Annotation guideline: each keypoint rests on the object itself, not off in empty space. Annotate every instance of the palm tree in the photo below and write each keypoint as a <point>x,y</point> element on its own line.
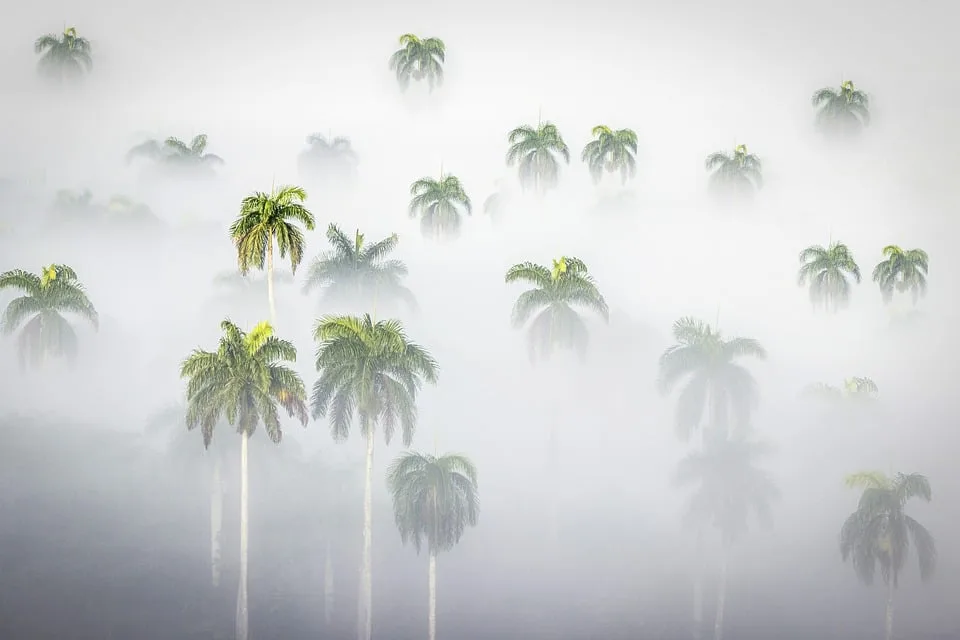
<point>47,296</point>
<point>855,389</point>
<point>827,271</point>
<point>63,57</point>
<point>715,378</point>
<point>902,271</point>
<point>266,218</point>
<point>729,488</point>
<point>441,205</point>
<point>843,111</point>
<point>122,211</point>
<point>553,299</point>
<point>245,382</point>
<point>369,372</point>
<point>354,271</point>
<point>434,500</point>
<point>418,59</point>
<point>879,532</point>
<point>611,151</point>
<point>176,152</point>
<point>739,173</point>
<point>536,152</point>
<point>331,157</point>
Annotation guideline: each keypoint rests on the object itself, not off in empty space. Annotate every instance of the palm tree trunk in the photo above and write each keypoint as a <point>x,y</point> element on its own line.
<point>889,626</point>
<point>216,520</point>
<point>270,297</point>
<point>432,619</point>
<point>365,601</point>
<point>243,614</point>
<point>721,597</point>
<point>328,602</point>
<point>697,631</point>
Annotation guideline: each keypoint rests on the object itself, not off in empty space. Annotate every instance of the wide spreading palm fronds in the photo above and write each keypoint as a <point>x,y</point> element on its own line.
<point>827,271</point>
<point>557,293</point>
<point>441,205</point>
<point>715,380</point>
<point>902,271</point>
<point>843,111</point>
<point>176,152</point>
<point>739,173</point>
<point>611,151</point>
<point>63,57</point>
<point>536,152</point>
<point>418,59</point>
<point>356,271</point>
<point>47,296</point>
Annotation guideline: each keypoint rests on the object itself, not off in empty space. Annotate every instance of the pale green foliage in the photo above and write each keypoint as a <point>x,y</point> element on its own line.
<point>854,389</point>
<point>827,271</point>
<point>419,59</point>
<point>611,151</point>
<point>739,173</point>
<point>843,111</point>
<point>434,498</point>
<point>266,218</point>
<point>47,296</point>
<point>63,57</point>
<point>902,271</point>
<point>535,151</point>
<point>441,205</point>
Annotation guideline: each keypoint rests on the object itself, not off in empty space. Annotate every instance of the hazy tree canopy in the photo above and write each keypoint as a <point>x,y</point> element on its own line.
<point>441,205</point>
<point>536,152</point>
<point>902,271</point>
<point>64,57</point>
<point>419,59</point>
<point>611,151</point>
<point>828,271</point>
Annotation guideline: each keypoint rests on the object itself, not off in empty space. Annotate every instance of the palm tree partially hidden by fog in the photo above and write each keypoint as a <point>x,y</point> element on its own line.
<point>245,382</point>
<point>879,532</point>
<point>902,271</point>
<point>828,271</point>
<point>64,57</point>
<point>739,173</point>
<point>419,59</point>
<point>435,499</point>
<point>536,152</point>
<point>174,153</point>
<point>728,488</point>
<point>440,205</point>
<point>266,219</point>
<point>369,373</point>
<point>611,151</point>
<point>44,331</point>
<point>331,159</point>
<point>354,271</point>
<point>843,112</point>
<point>855,389</point>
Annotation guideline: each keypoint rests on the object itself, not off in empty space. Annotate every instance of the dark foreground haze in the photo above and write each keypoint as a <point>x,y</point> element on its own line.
<point>105,508</point>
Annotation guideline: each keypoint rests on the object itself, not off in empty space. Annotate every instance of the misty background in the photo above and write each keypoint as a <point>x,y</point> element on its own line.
<point>104,530</point>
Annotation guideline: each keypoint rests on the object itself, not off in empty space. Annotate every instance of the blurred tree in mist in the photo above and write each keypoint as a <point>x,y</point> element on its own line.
<point>435,499</point>
<point>330,159</point>
<point>244,382</point>
<point>535,151</point>
<point>265,219</point>
<point>729,488</point>
<point>827,270</point>
<point>355,271</point>
<point>417,60</point>
<point>64,57</point>
<point>854,389</point>
<point>611,151</point>
<point>44,331</point>
<point>738,174</point>
<point>441,205</point>
<point>79,212</point>
<point>879,532</point>
<point>842,112</point>
<point>177,154</point>
<point>370,372</point>
<point>902,271</point>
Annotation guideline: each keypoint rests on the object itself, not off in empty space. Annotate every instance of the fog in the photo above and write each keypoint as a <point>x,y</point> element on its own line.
<point>105,520</point>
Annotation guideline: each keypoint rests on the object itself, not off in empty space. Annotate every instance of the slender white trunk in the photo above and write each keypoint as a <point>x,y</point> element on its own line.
<point>270,297</point>
<point>243,629</point>
<point>554,504</point>
<point>328,603</point>
<point>432,619</point>
<point>889,626</point>
<point>365,601</point>
<point>697,631</point>
<point>721,597</point>
<point>216,520</point>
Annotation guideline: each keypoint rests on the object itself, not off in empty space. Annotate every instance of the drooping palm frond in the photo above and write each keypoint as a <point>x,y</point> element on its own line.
<point>611,151</point>
<point>535,151</point>
<point>440,205</point>
<point>419,59</point>
<point>902,271</point>
<point>826,270</point>
<point>739,173</point>
<point>175,152</point>
<point>846,110</point>
<point>64,57</point>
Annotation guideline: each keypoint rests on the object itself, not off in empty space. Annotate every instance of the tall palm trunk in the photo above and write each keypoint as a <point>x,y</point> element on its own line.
<point>697,631</point>
<point>365,601</point>
<point>328,602</point>
<point>270,296</point>
<point>432,616</point>
<point>889,626</point>
<point>243,614</point>
<point>216,520</point>
<point>721,597</point>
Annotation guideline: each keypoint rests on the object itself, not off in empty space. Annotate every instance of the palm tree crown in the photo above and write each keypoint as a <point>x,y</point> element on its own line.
<point>715,378</point>
<point>245,381</point>
<point>611,151</point>
<point>268,217</point>
<point>418,59</point>
<point>854,388</point>
<point>740,171</point>
<point>354,270</point>
<point>553,299</point>
<point>47,296</point>
<point>827,270</point>
<point>64,56</point>
<point>333,154</point>
<point>902,271</point>
<point>175,151</point>
<point>535,151</point>
<point>441,205</point>
<point>847,109</point>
